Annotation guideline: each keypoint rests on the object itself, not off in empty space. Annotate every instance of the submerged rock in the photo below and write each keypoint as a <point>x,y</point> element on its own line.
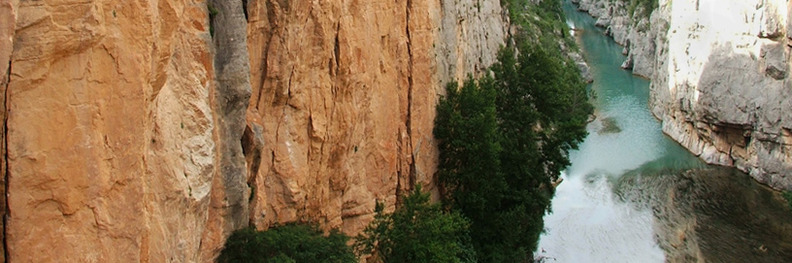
<point>609,125</point>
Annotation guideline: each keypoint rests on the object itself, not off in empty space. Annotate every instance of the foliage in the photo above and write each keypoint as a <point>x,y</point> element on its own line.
<point>466,125</point>
<point>541,95</point>
<point>788,197</point>
<point>644,8</point>
<point>502,140</point>
<point>287,243</point>
<point>212,14</point>
<point>540,22</point>
<point>417,231</point>
<point>212,10</point>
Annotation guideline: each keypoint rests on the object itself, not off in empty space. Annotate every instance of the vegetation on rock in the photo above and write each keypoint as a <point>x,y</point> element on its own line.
<point>418,231</point>
<point>539,23</point>
<point>644,8</point>
<point>212,14</point>
<point>287,243</point>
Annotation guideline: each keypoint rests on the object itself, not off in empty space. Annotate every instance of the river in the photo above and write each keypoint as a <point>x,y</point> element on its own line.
<point>632,194</point>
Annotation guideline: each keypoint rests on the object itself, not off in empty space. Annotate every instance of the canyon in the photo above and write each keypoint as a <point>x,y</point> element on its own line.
<point>147,131</point>
<point>719,71</point>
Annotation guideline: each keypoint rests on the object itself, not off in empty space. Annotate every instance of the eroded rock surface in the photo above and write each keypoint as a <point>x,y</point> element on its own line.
<point>7,21</point>
<point>344,100</point>
<point>147,131</point>
<point>720,81</point>
<point>113,139</point>
<point>689,219</point>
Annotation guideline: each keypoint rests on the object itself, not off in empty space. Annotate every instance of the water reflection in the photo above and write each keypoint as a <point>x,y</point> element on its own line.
<point>710,214</point>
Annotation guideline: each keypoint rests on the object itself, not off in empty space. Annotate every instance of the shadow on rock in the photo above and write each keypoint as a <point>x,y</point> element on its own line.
<point>713,214</point>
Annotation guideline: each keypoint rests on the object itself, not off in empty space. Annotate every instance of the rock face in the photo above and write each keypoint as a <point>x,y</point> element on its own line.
<point>633,30</point>
<point>344,100</point>
<point>7,20</point>
<point>114,150</point>
<point>720,81</point>
<point>689,222</point>
<point>146,131</point>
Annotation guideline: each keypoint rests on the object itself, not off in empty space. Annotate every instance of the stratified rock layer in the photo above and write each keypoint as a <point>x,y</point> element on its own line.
<point>720,81</point>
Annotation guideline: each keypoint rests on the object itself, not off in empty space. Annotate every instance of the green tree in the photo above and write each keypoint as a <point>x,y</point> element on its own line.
<point>542,112</point>
<point>417,231</point>
<point>288,243</point>
<point>503,139</point>
<point>466,125</point>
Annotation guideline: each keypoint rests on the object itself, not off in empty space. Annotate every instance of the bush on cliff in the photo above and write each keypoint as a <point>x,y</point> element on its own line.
<point>418,231</point>
<point>539,22</point>
<point>644,8</point>
<point>788,197</point>
<point>503,139</point>
<point>287,243</point>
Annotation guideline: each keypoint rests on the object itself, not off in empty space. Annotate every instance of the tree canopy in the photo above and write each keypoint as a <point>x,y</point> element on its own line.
<point>503,139</point>
<point>418,231</point>
<point>285,244</point>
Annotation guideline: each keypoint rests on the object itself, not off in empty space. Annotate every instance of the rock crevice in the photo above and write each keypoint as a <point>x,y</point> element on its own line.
<point>231,95</point>
<point>4,160</point>
<point>7,22</point>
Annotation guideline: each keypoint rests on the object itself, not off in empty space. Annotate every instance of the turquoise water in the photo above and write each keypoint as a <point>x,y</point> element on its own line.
<point>588,224</point>
<point>632,194</point>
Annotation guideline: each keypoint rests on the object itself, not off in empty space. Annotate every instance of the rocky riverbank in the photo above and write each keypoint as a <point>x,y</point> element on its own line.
<point>719,72</point>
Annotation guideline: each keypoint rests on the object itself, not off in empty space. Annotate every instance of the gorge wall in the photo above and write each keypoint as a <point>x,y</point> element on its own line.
<point>344,96</point>
<point>720,81</point>
<point>147,131</point>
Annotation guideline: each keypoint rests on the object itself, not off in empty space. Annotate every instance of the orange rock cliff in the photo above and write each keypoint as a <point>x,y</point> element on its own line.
<point>147,131</point>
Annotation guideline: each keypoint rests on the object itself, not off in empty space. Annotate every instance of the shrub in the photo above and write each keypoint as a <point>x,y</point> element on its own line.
<point>288,243</point>
<point>212,14</point>
<point>416,232</point>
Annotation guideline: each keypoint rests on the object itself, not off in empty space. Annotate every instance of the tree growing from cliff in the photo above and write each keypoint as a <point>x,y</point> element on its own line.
<point>288,243</point>
<point>503,140</point>
<point>418,231</point>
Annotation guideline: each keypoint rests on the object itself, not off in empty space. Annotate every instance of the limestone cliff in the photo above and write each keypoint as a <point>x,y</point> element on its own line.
<point>148,130</point>
<point>344,96</point>
<point>720,81</point>
<point>114,126</point>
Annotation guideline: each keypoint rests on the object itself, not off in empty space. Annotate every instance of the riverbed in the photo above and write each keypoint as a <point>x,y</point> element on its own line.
<point>632,194</point>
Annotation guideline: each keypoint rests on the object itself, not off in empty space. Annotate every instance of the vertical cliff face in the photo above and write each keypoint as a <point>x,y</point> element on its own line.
<point>149,130</point>
<point>720,81</point>
<point>229,203</point>
<point>116,118</point>
<point>7,19</point>
<point>722,86</point>
<point>637,31</point>
<point>344,96</point>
